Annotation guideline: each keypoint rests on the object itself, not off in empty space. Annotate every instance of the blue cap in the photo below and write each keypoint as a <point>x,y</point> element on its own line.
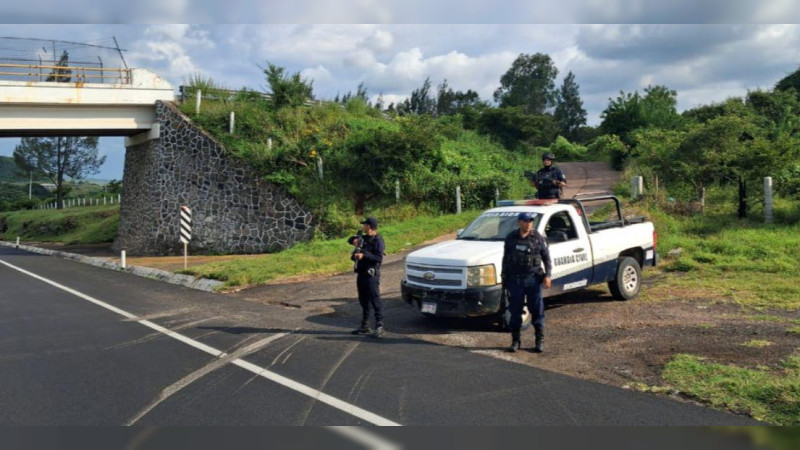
<point>526,216</point>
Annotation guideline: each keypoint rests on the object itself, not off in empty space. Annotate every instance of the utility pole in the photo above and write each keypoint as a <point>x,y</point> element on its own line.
<point>30,185</point>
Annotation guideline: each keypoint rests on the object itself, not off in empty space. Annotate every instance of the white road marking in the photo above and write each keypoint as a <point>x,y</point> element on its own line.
<point>367,437</point>
<point>176,387</point>
<point>317,395</point>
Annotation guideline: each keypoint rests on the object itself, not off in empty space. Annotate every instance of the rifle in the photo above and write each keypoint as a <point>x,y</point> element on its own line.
<point>358,247</point>
<point>534,177</point>
<point>543,183</point>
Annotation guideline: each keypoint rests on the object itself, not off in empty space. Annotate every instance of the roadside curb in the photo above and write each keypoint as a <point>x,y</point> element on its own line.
<point>202,284</point>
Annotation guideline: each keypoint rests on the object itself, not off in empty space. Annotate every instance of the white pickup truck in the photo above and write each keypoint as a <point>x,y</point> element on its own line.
<point>461,278</point>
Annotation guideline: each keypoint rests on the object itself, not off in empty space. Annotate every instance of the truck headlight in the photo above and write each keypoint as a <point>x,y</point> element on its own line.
<point>481,276</point>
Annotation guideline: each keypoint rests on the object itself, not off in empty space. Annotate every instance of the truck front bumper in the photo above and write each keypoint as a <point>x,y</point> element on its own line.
<point>471,302</point>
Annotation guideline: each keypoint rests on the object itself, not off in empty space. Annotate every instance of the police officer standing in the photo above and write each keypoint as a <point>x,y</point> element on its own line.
<point>549,179</point>
<point>368,257</point>
<point>524,252</point>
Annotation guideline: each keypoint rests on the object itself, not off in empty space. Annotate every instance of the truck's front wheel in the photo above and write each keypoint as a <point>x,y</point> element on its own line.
<point>628,281</point>
<point>505,315</point>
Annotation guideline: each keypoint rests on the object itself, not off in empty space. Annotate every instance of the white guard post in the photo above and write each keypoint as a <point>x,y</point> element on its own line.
<point>186,232</point>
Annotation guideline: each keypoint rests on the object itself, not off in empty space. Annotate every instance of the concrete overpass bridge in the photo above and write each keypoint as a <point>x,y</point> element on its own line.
<point>169,161</point>
<point>111,102</point>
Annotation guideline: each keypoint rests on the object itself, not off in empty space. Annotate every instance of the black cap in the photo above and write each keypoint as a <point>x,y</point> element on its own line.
<point>549,156</point>
<point>372,222</point>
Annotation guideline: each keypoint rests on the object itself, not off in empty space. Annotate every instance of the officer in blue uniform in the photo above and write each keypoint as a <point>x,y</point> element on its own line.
<point>549,179</point>
<point>368,256</point>
<point>524,252</point>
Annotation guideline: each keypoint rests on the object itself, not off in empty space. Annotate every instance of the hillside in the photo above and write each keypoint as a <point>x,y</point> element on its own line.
<point>9,172</point>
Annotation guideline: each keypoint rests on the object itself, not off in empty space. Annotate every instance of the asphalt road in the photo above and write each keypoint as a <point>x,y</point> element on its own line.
<point>81,345</point>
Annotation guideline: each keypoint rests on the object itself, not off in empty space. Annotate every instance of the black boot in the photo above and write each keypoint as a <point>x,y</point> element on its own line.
<point>363,329</point>
<point>539,345</point>
<point>515,343</point>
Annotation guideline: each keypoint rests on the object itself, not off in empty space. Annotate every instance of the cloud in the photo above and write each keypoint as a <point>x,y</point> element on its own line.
<point>169,47</point>
<point>408,69</point>
<point>379,40</point>
<point>687,11</point>
<point>657,43</point>
<point>404,12</point>
<point>317,74</point>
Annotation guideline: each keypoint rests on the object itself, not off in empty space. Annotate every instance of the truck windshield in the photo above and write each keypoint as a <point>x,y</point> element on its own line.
<point>493,226</point>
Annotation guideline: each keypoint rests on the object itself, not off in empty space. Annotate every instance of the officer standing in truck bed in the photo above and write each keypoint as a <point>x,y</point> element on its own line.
<point>549,179</point>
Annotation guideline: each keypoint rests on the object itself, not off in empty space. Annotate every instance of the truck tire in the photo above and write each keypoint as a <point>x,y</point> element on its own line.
<point>504,316</point>
<point>628,281</point>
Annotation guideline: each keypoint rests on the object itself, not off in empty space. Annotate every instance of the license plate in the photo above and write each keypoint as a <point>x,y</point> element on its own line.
<point>429,308</point>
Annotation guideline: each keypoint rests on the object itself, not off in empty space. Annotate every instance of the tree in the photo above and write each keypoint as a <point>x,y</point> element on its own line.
<point>631,111</point>
<point>658,108</point>
<point>790,82</point>
<point>529,83</point>
<point>569,112</point>
<point>114,187</point>
<point>371,156</point>
<point>622,115</point>
<point>420,102</point>
<point>287,89</point>
<point>450,102</point>
<point>361,94</point>
<point>512,127</point>
<point>57,158</point>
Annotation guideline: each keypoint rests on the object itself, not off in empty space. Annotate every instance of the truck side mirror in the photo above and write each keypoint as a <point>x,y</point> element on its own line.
<point>459,231</point>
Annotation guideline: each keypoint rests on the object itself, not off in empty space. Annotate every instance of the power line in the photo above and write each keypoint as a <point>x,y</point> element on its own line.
<point>65,42</point>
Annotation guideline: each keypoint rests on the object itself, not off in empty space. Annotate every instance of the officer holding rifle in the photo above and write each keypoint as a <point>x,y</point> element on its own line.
<point>367,257</point>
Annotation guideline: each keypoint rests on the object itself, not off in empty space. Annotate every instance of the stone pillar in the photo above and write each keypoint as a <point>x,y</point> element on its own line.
<point>234,211</point>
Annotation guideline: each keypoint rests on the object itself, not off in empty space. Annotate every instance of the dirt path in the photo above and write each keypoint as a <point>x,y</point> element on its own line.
<point>585,177</point>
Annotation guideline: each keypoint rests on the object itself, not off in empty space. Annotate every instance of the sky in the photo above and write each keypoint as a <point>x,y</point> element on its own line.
<point>704,63</point>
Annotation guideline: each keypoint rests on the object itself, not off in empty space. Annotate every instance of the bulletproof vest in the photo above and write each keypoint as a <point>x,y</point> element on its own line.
<point>526,255</point>
<point>370,246</point>
<point>547,178</point>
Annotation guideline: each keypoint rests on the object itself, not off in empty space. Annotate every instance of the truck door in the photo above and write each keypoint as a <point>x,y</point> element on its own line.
<point>570,252</point>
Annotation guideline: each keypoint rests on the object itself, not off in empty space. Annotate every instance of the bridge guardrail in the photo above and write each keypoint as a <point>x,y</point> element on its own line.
<point>65,74</point>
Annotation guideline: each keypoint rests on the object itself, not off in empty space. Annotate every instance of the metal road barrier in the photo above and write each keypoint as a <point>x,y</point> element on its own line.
<point>67,74</point>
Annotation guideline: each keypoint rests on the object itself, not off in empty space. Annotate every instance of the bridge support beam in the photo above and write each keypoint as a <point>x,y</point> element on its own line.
<point>150,135</point>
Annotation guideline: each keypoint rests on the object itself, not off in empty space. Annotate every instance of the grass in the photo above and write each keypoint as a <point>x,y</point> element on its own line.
<point>766,318</point>
<point>323,257</point>
<point>771,395</point>
<point>727,259</point>
<point>757,343</point>
<point>80,225</point>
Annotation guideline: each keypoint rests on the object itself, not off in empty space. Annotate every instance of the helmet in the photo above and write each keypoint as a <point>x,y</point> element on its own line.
<point>549,156</point>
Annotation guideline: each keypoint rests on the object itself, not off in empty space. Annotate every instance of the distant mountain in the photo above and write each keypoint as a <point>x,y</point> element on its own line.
<point>9,172</point>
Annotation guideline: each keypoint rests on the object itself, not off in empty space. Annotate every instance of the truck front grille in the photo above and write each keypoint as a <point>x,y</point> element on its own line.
<point>434,269</point>
<point>420,280</point>
<point>433,276</point>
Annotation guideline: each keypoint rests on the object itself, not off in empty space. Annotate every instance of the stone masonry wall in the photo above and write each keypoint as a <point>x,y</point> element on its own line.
<point>233,211</point>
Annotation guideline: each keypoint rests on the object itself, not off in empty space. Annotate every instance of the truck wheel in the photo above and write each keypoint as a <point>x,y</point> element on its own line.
<point>505,316</point>
<point>628,281</point>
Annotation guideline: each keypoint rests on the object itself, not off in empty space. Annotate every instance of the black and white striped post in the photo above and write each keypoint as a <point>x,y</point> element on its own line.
<point>186,232</point>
